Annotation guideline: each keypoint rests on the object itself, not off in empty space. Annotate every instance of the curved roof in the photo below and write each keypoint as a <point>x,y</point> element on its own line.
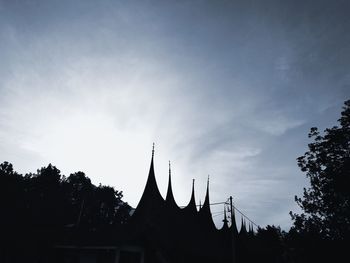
<point>191,208</point>
<point>170,200</point>
<point>151,199</point>
<point>205,213</point>
<point>243,230</point>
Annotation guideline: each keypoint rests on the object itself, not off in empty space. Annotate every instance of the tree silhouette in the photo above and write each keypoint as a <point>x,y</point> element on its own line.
<point>42,208</point>
<point>48,201</point>
<point>11,195</point>
<point>269,244</point>
<point>43,197</point>
<point>326,203</point>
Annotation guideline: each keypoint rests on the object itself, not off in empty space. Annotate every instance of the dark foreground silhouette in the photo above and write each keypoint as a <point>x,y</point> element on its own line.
<point>47,217</point>
<point>41,209</point>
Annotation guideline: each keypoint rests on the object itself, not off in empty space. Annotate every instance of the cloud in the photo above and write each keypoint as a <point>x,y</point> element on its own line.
<point>223,89</point>
<point>277,124</point>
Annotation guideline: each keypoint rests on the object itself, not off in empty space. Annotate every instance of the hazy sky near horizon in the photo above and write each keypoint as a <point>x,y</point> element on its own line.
<point>225,88</point>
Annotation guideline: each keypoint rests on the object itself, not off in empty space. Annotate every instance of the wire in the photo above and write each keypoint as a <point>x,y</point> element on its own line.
<point>245,216</point>
<point>218,203</point>
<point>242,214</point>
<point>218,214</point>
<point>227,202</point>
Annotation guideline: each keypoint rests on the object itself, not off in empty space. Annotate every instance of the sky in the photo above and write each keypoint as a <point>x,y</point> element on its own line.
<point>227,89</point>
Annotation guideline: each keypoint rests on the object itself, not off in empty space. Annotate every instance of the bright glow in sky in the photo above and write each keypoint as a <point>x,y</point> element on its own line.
<point>226,88</point>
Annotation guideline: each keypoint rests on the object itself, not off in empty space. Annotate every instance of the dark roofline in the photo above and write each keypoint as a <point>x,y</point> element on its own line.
<point>170,200</point>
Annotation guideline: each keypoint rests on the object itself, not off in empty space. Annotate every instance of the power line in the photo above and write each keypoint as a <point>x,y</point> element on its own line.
<point>234,207</point>
<point>218,203</point>
<point>244,215</point>
<point>218,214</point>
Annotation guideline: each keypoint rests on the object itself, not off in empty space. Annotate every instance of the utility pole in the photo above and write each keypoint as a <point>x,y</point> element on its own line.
<point>231,207</point>
<point>233,238</point>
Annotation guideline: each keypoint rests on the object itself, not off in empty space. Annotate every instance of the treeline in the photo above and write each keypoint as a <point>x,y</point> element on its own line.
<point>271,244</point>
<point>47,202</point>
<point>321,233</point>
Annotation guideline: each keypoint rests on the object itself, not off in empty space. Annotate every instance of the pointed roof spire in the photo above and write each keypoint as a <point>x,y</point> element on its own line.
<point>169,196</point>
<point>192,204</point>
<point>205,213</point>
<point>206,204</point>
<point>243,227</point>
<point>151,198</point>
<point>192,193</point>
<point>193,199</point>
<point>251,228</point>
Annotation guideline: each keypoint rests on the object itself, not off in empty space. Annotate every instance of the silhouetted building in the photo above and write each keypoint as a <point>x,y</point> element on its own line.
<point>168,233</point>
<point>159,231</point>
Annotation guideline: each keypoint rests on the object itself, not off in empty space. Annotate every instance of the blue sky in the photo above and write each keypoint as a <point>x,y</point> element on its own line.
<point>225,88</point>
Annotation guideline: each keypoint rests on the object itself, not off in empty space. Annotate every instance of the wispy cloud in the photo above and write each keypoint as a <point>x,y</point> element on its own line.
<point>223,89</point>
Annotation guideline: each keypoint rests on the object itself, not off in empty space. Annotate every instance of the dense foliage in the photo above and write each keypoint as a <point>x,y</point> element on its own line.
<point>48,199</point>
<point>326,203</point>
